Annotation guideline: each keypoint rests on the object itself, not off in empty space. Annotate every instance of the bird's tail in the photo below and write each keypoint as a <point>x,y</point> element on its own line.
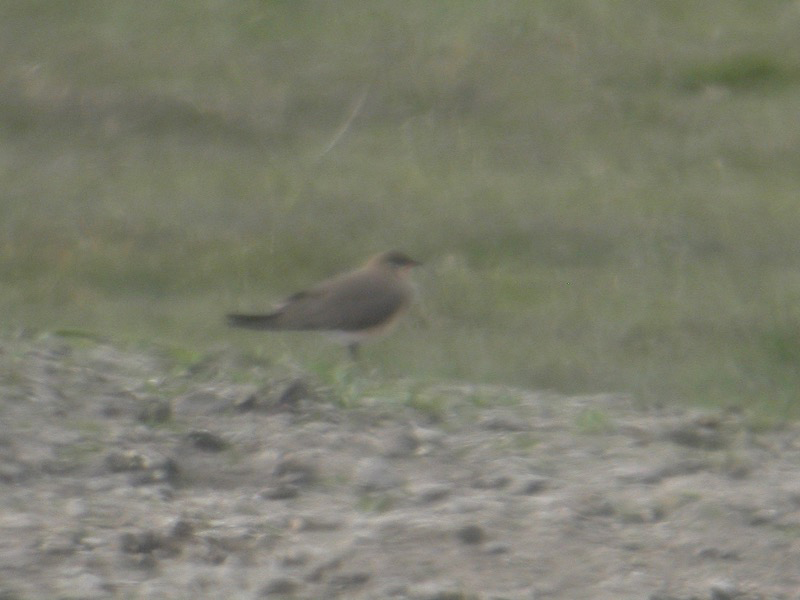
<point>268,321</point>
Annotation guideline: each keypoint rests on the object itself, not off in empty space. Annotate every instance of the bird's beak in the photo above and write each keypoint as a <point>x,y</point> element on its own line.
<point>405,270</point>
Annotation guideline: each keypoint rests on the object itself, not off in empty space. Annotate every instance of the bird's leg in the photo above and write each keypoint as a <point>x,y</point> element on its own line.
<point>352,347</point>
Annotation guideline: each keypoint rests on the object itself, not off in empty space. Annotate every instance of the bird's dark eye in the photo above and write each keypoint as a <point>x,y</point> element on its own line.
<point>396,260</point>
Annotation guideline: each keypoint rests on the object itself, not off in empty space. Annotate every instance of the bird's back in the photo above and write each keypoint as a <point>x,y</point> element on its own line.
<point>360,300</point>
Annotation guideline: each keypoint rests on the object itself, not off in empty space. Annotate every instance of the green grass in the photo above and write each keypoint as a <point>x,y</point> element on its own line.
<point>593,421</point>
<point>604,193</point>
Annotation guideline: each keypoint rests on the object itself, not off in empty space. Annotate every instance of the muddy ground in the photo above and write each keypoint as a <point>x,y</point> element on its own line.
<point>135,475</point>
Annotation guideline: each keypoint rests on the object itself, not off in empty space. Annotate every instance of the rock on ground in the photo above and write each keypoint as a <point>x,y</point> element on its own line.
<point>126,475</point>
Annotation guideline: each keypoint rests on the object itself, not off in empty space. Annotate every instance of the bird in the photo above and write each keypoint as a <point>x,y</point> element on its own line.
<point>354,306</point>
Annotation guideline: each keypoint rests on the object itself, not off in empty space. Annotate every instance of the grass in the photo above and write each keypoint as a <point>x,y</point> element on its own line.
<point>604,194</point>
<point>593,421</point>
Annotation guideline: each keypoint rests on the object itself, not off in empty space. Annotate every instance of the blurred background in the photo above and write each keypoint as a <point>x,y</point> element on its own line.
<point>604,193</point>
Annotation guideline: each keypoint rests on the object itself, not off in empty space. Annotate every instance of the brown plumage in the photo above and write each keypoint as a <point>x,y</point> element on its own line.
<point>355,305</point>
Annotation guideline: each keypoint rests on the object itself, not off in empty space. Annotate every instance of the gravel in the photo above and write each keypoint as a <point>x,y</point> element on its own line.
<point>123,475</point>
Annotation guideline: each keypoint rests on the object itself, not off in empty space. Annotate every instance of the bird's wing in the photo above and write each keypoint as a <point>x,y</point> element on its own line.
<point>353,302</point>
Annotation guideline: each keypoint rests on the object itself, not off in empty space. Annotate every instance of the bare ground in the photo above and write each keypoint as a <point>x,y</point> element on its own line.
<point>129,475</point>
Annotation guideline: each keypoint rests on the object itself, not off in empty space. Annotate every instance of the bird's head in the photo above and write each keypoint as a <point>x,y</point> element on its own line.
<point>395,261</point>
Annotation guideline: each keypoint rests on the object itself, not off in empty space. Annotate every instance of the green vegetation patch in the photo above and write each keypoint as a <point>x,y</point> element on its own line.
<point>588,222</point>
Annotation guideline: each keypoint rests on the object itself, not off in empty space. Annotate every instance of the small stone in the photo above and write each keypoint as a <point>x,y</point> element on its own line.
<point>246,403</point>
<point>182,529</point>
<point>291,396</point>
<point>376,474</point>
<point>433,493</point>
<point>165,472</point>
<point>12,473</point>
<point>282,491</point>
<point>76,507</point>
<point>594,504</point>
<point>294,470</point>
<point>7,593</point>
<point>87,586</point>
<point>493,482</point>
<point>400,445</point>
<point>325,565</point>
<point>311,524</point>
<point>471,534</point>
<point>205,440</point>
<point>130,460</point>
<point>498,548</point>
<point>146,562</point>
<point>274,398</point>
<point>534,485</point>
<point>57,545</point>
<point>427,436</point>
<point>141,543</point>
<point>280,586</point>
<point>657,474</point>
<point>715,553</point>
<point>155,412</point>
<point>215,555</point>
<point>724,589</point>
<point>762,516</point>
<point>341,581</point>
<point>391,589</point>
<point>501,423</point>
<point>705,432</point>
<point>200,402</point>
<point>295,558</point>
<point>439,591</point>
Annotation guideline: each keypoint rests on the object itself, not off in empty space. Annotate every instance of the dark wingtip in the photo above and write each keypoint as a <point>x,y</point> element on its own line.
<point>250,321</point>
<point>399,259</point>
